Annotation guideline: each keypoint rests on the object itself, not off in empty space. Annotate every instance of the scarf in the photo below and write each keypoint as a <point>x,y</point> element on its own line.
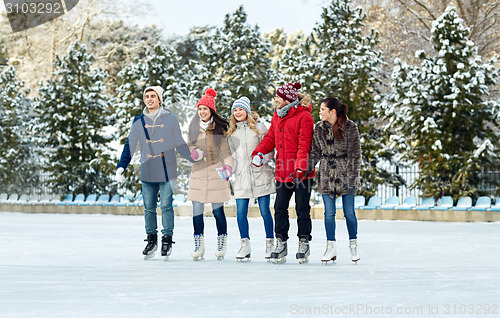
<point>284,110</point>
<point>205,125</point>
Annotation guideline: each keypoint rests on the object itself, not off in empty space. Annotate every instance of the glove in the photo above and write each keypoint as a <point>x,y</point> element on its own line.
<point>225,172</point>
<point>298,175</point>
<point>258,160</point>
<point>197,154</point>
<point>119,175</point>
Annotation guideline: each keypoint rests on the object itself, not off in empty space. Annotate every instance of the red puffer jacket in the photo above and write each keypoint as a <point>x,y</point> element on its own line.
<point>291,136</point>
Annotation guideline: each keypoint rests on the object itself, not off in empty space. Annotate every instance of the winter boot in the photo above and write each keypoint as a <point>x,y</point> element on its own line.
<point>303,251</point>
<point>199,247</point>
<point>221,246</point>
<point>151,246</point>
<point>244,252</point>
<point>278,256</point>
<point>269,248</point>
<point>353,247</point>
<point>166,246</point>
<point>330,252</point>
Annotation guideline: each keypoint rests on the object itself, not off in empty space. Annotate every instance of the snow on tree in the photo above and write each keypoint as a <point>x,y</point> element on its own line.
<point>441,114</point>
<point>73,112</point>
<point>17,163</point>
<point>238,64</point>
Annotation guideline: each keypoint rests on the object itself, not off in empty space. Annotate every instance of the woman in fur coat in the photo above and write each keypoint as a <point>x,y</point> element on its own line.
<point>336,146</point>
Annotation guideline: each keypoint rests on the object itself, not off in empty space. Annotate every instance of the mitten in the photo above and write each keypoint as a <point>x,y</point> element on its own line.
<point>258,160</point>
<point>197,154</point>
<point>225,172</point>
<point>119,175</point>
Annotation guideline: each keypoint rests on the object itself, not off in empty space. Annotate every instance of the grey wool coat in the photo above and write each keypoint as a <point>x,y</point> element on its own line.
<point>339,160</point>
<point>250,181</point>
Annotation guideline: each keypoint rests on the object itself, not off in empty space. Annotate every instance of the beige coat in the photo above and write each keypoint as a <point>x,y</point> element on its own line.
<point>205,185</point>
<point>250,181</point>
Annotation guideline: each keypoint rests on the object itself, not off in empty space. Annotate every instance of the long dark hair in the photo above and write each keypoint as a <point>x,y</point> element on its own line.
<point>221,126</point>
<point>341,109</point>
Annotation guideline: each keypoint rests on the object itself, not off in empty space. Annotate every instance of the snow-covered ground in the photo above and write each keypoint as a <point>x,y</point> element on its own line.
<point>91,266</point>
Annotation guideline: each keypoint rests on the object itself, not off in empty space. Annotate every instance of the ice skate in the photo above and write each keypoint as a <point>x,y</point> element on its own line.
<point>303,252</point>
<point>330,252</point>
<point>244,252</point>
<point>278,256</point>
<point>199,247</point>
<point>221,246</point>
<point>166,246</point>
<point>151,246</point>
<point>353,247</point>
<point>269,248</point>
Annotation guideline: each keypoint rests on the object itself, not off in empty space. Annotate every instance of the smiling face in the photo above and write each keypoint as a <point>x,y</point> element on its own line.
<point>204,113</point>
<point>152,101</point>
<point>240,114</point>
<point>281,102</point>
<point>327,115</point>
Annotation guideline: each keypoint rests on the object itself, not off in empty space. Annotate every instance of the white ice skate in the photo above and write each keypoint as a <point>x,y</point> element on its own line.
<point>330,252</point>
<point>278,256</point>
<point>353,247</point>
<point>221,246</point>
<point>199,247</point>
<point>244,252</point>
<point>269,248</point>
<point>303,252</point>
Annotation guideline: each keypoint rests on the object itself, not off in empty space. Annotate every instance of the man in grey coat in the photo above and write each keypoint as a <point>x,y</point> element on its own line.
<point>158,134</point>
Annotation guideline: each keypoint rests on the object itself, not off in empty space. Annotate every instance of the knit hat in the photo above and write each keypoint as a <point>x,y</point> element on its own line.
<point>242,102</point>
<point>208,99</point>
<point>157,89</point>
<point>288,91</point>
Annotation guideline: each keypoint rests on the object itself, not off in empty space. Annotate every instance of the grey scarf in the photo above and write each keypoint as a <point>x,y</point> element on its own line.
<point>284,110</point>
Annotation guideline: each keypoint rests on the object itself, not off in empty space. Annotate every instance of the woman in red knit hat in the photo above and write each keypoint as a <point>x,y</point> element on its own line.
<point>210,173</point>
<point>290,134</point>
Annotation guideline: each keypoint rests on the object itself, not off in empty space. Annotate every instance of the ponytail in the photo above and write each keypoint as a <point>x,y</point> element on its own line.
<point>341,110</point>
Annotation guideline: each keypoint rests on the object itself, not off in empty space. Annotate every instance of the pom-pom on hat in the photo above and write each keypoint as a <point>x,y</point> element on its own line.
<point>158,90</point>
<point>289,91</point>
<point>208,99</point>
<point>242,102</point>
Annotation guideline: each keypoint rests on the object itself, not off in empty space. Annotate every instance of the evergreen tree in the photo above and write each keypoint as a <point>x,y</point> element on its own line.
<point>441,113</point>
<point>17,163</point>
<point>73,113</point>
<point>237,62</point>
<point>348,67</point>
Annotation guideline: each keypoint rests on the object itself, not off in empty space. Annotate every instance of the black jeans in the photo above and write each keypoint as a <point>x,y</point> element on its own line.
<point>284,192</point>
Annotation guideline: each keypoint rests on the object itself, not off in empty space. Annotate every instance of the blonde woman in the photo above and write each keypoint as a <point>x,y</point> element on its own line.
<point>250,182</point>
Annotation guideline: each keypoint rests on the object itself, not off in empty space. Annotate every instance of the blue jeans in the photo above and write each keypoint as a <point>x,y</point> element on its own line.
<point>349,214</point>
<point>150,197</point>
<point>217,210</point>
<point>265,212</point>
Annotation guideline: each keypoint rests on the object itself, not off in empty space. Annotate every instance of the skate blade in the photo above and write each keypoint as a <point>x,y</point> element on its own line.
<point>165,258</point>
<point>355,261</point>
<point>149,256</point>
<point>220,258</point>
<point>303,260</point>
<point>243,259</point>
<point>196,259</point>
<point>280,260</point>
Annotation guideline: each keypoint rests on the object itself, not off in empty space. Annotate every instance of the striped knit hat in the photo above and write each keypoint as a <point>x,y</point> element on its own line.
<point>242,102</point>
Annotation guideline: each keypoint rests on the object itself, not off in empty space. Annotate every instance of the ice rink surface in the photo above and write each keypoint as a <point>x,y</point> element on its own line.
<point>61,265</point>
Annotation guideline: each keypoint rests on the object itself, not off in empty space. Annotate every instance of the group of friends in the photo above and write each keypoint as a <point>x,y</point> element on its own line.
<point>245,147</point>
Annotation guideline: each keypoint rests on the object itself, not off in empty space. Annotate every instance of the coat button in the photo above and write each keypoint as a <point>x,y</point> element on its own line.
<point>281,146</point>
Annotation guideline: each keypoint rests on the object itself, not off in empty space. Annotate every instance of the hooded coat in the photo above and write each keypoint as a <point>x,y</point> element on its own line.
<point>339,160</point>
<point>205,184</point>
<point>291,136</point>
<point>250,181</point>
<point>158,162</point>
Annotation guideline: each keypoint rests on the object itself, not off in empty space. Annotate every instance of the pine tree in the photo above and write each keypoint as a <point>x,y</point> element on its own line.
<point>73,111</point>
<point>442,115</point>
<point>18,166</point>
<point>237,62</point>
<point>348,67</point>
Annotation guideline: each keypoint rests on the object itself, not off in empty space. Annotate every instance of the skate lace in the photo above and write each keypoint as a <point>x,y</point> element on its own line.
<point>303,246</point>
<point>197,243</point>
<point>279,246</point>
<point>221,239</point>
<point>353,249</point>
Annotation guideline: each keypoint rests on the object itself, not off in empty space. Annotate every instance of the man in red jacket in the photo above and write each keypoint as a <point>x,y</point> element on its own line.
<point>291,134</point>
